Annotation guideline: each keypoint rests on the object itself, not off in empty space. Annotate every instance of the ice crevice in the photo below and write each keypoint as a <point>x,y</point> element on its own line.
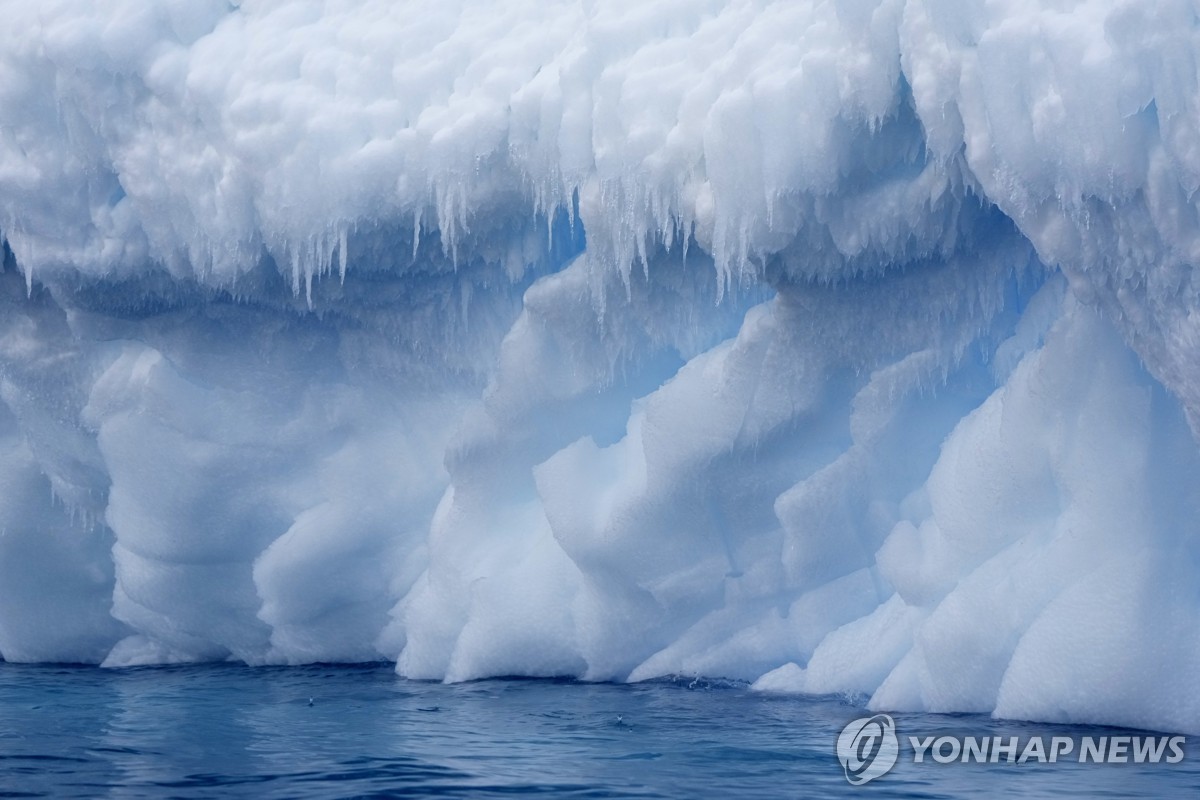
<point>830,346</point>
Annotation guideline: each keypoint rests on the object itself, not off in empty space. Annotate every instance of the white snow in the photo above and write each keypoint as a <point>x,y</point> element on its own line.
<point>837,346</point>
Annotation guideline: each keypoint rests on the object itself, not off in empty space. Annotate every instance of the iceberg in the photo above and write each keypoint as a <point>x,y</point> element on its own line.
<point>836,347</point>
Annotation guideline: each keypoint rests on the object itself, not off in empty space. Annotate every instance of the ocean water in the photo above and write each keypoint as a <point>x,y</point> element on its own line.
<point>332,731</point>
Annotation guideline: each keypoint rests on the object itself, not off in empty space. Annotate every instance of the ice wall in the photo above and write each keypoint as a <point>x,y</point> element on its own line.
<point>836,346</point>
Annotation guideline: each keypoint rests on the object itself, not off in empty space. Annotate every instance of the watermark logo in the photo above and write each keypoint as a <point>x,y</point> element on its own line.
<point>868,748</point>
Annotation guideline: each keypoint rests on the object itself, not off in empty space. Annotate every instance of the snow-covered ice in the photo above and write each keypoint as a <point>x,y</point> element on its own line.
<point>839,346</point>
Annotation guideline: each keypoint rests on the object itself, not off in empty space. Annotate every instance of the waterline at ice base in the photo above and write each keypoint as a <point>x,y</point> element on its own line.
<point>836,347</point>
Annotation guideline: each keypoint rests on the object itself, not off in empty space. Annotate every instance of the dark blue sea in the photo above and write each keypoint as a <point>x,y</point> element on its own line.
<point>328,731</point>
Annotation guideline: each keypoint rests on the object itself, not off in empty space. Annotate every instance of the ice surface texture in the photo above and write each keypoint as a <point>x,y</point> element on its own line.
<point>840,346</point>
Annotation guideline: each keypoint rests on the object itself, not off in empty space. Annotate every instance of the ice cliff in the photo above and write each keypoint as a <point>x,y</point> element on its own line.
<point>837,346</point>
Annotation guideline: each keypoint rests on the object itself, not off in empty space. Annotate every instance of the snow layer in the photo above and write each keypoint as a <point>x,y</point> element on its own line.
<point>837,346</point>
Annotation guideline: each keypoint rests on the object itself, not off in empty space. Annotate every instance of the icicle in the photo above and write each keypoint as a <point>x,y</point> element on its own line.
<point>416,236</point>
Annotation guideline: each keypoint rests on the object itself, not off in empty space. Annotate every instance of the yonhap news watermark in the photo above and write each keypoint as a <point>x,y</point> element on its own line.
<point>868,748</point>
